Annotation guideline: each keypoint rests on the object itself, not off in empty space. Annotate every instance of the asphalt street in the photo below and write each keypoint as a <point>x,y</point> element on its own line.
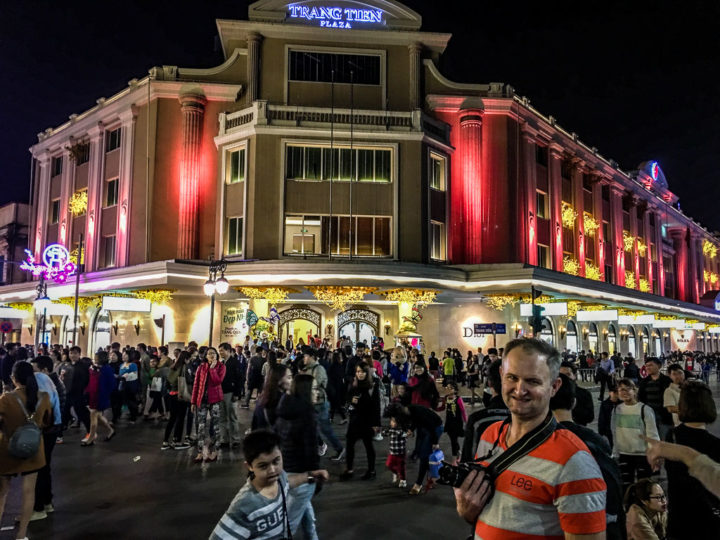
<point>128,488</point>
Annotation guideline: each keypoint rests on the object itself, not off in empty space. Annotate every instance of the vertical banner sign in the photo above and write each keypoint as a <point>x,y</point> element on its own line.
<point>233,327</point>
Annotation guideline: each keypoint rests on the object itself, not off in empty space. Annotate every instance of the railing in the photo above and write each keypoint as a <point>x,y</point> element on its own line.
<point>260,113</point>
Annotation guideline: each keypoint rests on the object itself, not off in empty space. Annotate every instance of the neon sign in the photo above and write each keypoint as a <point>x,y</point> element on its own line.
<point>56,264</point>
<point>336,17</point>
<point>654,170</point>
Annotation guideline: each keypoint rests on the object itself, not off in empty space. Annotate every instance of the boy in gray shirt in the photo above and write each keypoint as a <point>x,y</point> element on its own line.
<point>259,510</point>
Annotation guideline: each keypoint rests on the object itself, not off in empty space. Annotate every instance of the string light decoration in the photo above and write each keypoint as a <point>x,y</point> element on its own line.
<point>644,285</point>
<point>625,312</point>
<point>338,298</point>
<point>628,241</point>
<point>594,307</point>
<point>666,317</point>
<point>630,279</point>
<point>591,224</point>
<point>642,247</point>
<point>156,296</point>
<point>74,257</point>
<point>417,298</point>
<point>23,306</point>
<point>569,215</point>
<point>84,302</point>
<point>573,306</point>
<point>498,302</point>
<point>571,266</point>
<point>78,203</point>
<point>710,277</point>
<point>714,278</point>
<point>709,249</point>
<point>274,295</point>
<point>593,272</point>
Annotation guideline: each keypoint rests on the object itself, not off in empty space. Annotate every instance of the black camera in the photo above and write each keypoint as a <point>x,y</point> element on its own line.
<point>455,475</point>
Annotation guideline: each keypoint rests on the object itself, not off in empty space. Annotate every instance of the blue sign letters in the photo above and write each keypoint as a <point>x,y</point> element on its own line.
<point>336,17</point>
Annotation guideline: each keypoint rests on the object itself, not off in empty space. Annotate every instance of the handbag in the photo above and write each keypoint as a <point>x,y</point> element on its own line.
<point>156,385</point>
<point>25,441</point>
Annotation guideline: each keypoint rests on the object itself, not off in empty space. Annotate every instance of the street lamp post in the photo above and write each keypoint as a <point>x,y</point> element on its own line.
<point>213,285</point>
<point>41,304</point>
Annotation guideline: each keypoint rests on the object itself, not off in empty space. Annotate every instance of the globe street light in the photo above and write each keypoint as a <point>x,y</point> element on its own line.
<point>213,285</point>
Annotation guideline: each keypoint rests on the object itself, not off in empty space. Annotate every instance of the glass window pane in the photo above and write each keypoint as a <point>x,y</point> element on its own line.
<point>313,163</point>
<point>382,236</point>
<point>364,234</point>
<point>366,166</point>
<point>344,236</point>
<point>295,162</point>
<point>346,162</point>
<point>382,166</point>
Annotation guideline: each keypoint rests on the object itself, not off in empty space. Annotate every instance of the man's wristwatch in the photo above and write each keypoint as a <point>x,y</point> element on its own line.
<point>311,479</point>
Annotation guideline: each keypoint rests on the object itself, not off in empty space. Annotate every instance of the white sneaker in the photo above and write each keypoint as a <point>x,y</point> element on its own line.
<point>378,437</point>
<point>322,450</point>
<point>394,478</point>
<point>402,484</point>
<point>339,456</point>
<point>49,508</point>
<point>36,516</point>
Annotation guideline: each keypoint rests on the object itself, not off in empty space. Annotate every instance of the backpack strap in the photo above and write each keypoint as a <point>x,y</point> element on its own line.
<point>24,410</point>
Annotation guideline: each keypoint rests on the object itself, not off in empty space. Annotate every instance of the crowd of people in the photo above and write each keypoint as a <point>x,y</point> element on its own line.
<point>303,393</point>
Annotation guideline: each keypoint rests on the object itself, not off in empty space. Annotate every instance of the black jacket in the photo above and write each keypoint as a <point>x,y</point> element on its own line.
<point>296,424</point>
<point>81,377</point>
<point>366,412</point>
<point>426,419</point>
<point>232,383</point>
<point>604,418</point>
<point>478,422</point>
<point>584,411</point>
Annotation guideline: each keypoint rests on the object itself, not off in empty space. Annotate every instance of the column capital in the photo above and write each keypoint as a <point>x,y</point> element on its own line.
<point>43,158</point>
<point>415,47</point>
<point>555,150</point>
<point>192,101</point>
<point>254,37</point>
<point>471,118</point>
<point>128,116</point>
<point>618,190</point>
<point>96,132</point>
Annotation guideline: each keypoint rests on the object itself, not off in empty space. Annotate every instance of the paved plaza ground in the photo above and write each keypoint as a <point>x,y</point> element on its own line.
<point>106,492</point>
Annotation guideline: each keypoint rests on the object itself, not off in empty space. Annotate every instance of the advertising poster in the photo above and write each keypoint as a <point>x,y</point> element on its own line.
<point>683,340</point>
<point>233,327</point>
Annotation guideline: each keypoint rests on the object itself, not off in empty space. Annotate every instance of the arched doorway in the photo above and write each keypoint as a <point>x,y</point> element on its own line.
<point>299,322</point>
<point>101,328</point>
<point>571,337</point>
<point>612,339</point>
<point>658,343</point>
<point>645,336</point>
<point>632,342</point>
<point>546,334</point>
<point>360,325</point>
<point>593,338</point>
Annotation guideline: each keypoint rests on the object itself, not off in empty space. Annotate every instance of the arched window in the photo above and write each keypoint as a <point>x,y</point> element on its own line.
<point>612,339</point>
<point>632,342</point>
<point>593,338</point>
<point>547,331</point>
<point>571,337</point>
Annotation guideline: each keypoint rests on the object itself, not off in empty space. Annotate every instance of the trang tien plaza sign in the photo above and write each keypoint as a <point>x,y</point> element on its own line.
<point>336,17</point>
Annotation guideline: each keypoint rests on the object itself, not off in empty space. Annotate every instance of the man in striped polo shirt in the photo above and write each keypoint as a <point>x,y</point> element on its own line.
<point>555,491</point>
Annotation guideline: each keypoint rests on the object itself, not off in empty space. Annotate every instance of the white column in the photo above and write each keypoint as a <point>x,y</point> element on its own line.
<point>42,204</point>
<point>95,191</point>
<point>67,189</point>
<point>127,143</point>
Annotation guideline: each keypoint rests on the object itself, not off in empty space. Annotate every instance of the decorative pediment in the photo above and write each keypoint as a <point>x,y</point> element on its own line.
<point>347,14</point>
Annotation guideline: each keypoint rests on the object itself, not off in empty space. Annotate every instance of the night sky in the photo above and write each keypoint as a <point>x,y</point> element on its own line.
<point>638,80</point>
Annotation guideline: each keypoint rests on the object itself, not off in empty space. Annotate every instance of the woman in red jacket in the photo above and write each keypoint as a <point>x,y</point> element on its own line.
<point>207,395</point>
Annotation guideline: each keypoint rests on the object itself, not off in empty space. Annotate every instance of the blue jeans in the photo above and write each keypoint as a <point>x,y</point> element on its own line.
<point>326,430</point>
<point>300,511</point>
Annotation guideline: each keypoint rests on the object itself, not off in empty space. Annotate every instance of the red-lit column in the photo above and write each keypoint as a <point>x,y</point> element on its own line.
<point>42,205</point>
<point>659,248</point>
<point>95,192</point>
<point>681,262</point>
<point>616,225</point>
<point>471,142</point>
<point>530,172</point>
<point>648,240</point>
<point>579,205</point>
<point>555,152</point>
<point>694,263</point>
<point>634,234</point>
<point>600,233</point>
<point>193,111</point>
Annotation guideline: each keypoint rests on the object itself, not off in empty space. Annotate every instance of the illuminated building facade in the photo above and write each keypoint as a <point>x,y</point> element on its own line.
<point>329,151</point>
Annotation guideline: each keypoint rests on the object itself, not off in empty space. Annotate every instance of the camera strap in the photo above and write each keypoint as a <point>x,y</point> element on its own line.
<point>526,444</point>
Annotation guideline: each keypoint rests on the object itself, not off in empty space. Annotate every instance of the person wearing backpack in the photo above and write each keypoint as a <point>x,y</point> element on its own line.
<point>24,413</point>
<point>631,420</point>
<point>562,405</point>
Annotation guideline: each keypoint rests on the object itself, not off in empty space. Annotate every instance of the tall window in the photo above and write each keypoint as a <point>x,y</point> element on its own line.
<point>57,165</point>
<point>316,235</point>
<point>347,68</point>
<point>236,168</point>
<point>541,155</point>
<point>113,140</point>
<point>54,211</point>
<point>82,154</point>
<point>111,192</point>
<point>108,251</point>
<point>234,235</point>
<point>437,241</point>
<point>542,204</point>
<point>438,167</point>
<point>341,164</point>
<point>543,256</point>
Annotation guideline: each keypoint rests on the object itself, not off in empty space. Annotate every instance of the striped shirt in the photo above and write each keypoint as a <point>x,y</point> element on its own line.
<point>251,515</point>
<point>556,488</point>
